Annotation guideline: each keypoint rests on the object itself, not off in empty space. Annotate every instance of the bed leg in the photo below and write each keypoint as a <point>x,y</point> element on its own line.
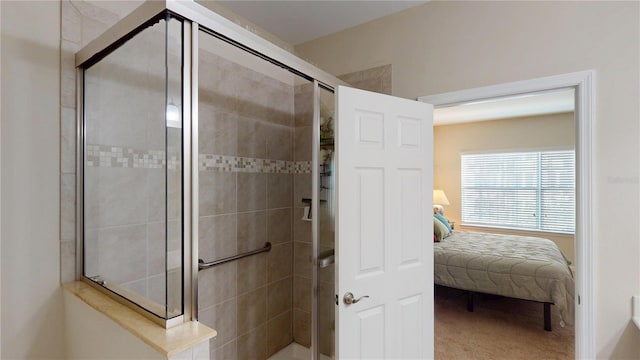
<point>470,301</point>
<point>547,316</point>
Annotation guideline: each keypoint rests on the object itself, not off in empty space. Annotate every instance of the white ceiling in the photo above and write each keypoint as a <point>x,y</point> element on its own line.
<point>542,103</point>
<point>298,21</point>
<point>303,20</point>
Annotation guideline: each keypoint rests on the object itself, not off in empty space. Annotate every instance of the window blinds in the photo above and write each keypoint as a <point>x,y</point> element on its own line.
<point>523,190</point>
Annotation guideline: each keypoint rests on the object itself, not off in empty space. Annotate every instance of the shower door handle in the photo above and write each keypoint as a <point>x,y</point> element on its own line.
<point>349,299</point>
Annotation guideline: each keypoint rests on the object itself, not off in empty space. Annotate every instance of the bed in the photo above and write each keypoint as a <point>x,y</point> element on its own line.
<point>521,267</point>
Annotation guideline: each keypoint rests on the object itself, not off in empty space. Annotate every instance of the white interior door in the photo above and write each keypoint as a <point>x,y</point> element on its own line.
<point>384,247</point>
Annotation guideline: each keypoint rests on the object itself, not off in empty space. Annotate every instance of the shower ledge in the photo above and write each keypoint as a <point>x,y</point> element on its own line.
<point>168,342</point>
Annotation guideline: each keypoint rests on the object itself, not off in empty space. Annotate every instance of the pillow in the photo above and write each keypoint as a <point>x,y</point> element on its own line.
<point>444,221</point>
<point>439,230</point>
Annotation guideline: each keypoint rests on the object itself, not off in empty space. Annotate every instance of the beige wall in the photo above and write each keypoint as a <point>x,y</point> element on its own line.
<point>445,46</point>
<point>32,316</point>
<point>526,133</point>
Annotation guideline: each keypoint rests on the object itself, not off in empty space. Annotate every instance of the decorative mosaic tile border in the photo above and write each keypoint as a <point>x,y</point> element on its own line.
<point>227,163</point>
<point>120,157</point>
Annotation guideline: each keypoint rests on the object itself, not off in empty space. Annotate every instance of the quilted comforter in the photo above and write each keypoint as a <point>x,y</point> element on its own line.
<point>521,267</point>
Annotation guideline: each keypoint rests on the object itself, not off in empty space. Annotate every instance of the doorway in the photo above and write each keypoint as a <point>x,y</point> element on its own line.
<point>583,83</point>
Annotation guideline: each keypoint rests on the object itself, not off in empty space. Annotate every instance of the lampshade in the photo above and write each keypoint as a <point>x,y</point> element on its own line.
<point>439,197</point>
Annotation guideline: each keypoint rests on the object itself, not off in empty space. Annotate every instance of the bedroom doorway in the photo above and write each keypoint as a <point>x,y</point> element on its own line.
<point>583,85</point>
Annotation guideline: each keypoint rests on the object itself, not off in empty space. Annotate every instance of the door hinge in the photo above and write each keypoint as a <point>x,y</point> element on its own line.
<point>578,299</point>
<point>337,303</point>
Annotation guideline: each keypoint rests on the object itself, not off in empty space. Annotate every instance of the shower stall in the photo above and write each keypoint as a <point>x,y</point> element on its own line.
<point>208,162</point>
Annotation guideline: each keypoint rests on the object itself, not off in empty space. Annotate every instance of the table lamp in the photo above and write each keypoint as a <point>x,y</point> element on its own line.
<point>439,199</point>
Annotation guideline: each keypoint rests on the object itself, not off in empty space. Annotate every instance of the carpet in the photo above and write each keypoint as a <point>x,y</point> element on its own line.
<point>499,328</point>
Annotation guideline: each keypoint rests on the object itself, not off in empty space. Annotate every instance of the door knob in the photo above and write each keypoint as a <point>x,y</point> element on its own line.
<point>349,299</point>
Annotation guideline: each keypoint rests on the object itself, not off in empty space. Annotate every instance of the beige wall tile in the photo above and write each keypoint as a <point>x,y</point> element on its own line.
<point>71,23</point>
<point>326,274</point>
<point>252,230</point>
<point>252,273</point>
<point>303,105</point>
<point>279,141</point>
<point>216,284</point>
<point>279,105</point>
<point>253,345</point>
<point>91,259</point>
<point>68,91</point>
<point>67,206</point>
<point>218,82</point>
<point>157,288</point>
<point>174,291</point>
<point>279,226</point>
<point>301,188</point>
<point>279,297</point>
<point>301,228</point>
<point>279,190</point>
<point>91,28</point>
<point>223,100</point>
<point>155,188</point>
<point>174,235</point>
<point>138,287</point>
<point>252,310</point>
<point>376,79</point>
<point>222,318</point>
<point>217,193</point>
<point>217,236</point>
<point>68,140</point>
<point>326,307</point>
<point>302,259</point>
<point>122,253</point>
<point>68,48</point>
<point>67,260</point>
<point>87,10</point>
<point>251,97</point>
<point>156,248</point>
<point>107,187</point>
<point>302,143</point>
<point>302,327</point>
<point>279,332</point>
<point>280,261</point>
<point>251,138</point>
<point>217,131</point>
<point>228,351</point>
<point>302,293</point>
<point>252,191</point>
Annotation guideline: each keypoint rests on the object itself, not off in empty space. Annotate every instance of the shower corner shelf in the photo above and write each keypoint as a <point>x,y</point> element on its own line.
<point>309,201</point>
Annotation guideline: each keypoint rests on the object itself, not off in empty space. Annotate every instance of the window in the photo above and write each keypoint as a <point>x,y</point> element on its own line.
<point>520,190</point>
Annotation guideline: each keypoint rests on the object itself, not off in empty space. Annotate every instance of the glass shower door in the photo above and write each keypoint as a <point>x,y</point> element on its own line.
<point>132,170</point>
<point>326,303</point>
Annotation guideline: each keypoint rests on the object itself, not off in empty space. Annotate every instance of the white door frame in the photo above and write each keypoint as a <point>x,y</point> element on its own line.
<point>584,84</point>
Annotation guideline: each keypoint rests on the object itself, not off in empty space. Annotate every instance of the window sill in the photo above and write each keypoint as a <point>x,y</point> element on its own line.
<point>166,341</point>
<point>512,230</point>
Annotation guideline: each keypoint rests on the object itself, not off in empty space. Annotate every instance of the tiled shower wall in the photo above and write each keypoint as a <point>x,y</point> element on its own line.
<point>376,79</point>
<point>246,184</point>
